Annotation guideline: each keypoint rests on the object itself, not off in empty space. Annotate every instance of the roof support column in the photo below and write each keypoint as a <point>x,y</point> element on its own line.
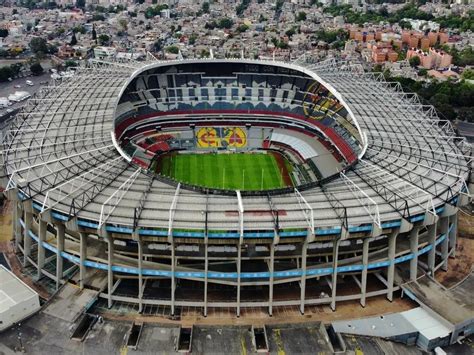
<point>110,274</point>
<point>140,273</point>
<point>304,253</point>
<point>392,246</point>
<point>414,236</point>
<point>61,229</point>
<point>16,224</point>
<point>43,226</point>
<point>444,229</point>
<point>271,280</point>
<point>432,252</point>
<point>239,264</point>
<point>26,237</point>
<point>83,257</point>
<point>173,278</point>
<point>335,254</point>
<point>206,270</point>
<point>365,264</point>
<point>453,233</point>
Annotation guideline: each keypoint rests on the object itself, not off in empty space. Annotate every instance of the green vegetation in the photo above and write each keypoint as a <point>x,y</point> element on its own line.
<point>414,61</point>
<point>461,58</point>
<point>172,49</point>
<point>228,171</point>
<point>38,45</point>
<point>153,11</point>
<point>36,68</point>
<point>242,28</point>
<point>336,38</point>
<point>468,74</point>
<point>242,7</point>
<point>5,73</point>
<point>104,39</point>
<point>455,21</point>
<point>278,43</point>
<point>408,11</point>
<point>224,22</point>
<point>301,16</point>
<point>451,100</point>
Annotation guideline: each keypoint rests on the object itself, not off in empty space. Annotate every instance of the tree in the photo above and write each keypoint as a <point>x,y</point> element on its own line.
<point>205,7</point>
<point>104,39</point>
<point>192,39</point>
<point>94,33</point>
<point>204,53</point>
<point>172,49</point>
<point>36,68</point>
<point>73,39</point>
<point>290,32</point>
<point>301,16</point>
<point>123,23</point>
<point>468,74</point>
<point>225,22</point>
<point>98,17</point>
<point>81,4</point>
<point>422,72</point>
<point>414,61</point>
<point>242,28</point>
<point>3,32</point>
<point>5,73</point>
<point>38,45</point>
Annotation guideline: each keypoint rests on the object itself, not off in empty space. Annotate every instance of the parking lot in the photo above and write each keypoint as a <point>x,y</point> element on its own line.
<point>8,88</point>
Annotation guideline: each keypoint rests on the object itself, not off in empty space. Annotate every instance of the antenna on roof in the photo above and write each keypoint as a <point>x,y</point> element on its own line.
<point>180,55</point>
<point>242,54</point>
<point>211,53</point>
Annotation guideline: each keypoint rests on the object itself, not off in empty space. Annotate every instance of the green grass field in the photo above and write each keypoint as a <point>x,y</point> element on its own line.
<point>236,171</point>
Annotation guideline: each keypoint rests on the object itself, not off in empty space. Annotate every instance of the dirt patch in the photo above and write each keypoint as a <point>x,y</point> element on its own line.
<point>460,266</point>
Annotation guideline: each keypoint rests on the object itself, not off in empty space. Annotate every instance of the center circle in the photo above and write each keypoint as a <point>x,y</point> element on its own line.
<point>223,125</point>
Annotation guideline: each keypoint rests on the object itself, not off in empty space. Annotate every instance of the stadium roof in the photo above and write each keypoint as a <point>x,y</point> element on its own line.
<point>60,153</point>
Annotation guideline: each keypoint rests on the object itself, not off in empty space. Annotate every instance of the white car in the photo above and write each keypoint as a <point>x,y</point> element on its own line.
<point>30,83</point>
<point>17,86</point>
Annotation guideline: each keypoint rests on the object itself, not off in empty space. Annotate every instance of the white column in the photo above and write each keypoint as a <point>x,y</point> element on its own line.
<point>206,270</point>
<point>453,234</point>
<point>304,254</point>
<point>83,257</point>
<point>239,260</point>
<point>173,278</point>
<point>110,274</point>
<point>140,275</point>
<point>60,248</point>
<point>26,237</point>
<point>41,251</point>
<point>270,286</point>
<point>432,252</point>
<point>444,229</point>
<point>414,234</point>
<point>335,253</point>
<point>392,246</point>
<point>365,263</point>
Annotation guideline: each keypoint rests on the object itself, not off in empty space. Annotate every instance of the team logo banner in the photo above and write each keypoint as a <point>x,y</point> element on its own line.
<point>221,137</point>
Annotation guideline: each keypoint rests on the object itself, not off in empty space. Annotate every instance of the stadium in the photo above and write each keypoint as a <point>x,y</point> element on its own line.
<point>233,183</point>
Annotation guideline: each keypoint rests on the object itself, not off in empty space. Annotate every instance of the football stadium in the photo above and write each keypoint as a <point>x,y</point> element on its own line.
<point>233,183</point>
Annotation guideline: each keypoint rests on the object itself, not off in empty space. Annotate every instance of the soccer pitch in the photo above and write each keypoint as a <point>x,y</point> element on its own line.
<point>235,171</point>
